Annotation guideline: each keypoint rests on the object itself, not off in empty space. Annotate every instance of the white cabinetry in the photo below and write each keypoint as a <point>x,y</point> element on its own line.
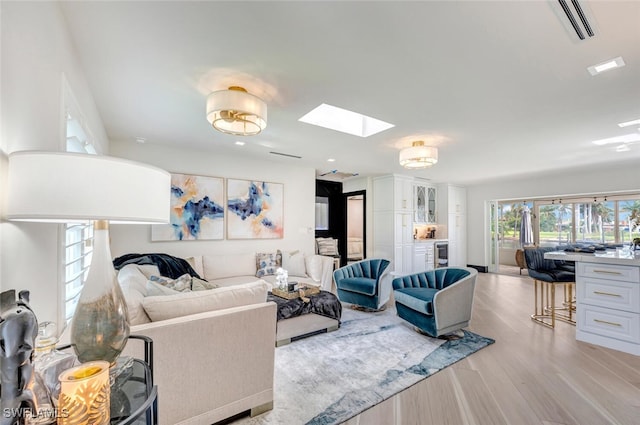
<point>452,205</point>
<point>608,306</point>
<point>393,221</point>
<point>423,256</point>
<point>424,203</point>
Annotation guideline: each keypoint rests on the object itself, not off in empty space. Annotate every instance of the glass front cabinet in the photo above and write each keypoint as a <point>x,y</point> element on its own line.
<point>424,208</point>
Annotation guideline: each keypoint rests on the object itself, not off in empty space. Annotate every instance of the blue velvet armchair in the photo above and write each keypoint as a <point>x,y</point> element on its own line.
<point>364,283</point>
<point>438,301</point>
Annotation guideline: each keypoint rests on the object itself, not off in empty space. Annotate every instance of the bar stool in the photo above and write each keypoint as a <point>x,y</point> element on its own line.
<point>547,274</point>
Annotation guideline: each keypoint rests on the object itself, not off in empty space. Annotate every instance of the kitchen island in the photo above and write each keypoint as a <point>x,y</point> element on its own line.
<point>607,297</point>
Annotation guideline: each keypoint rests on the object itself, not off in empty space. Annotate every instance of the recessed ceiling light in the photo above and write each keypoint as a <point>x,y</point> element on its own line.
<point>623,148</point>
<point>331,160</point>
<point>629,123</point>
<point>606,66</point>
<point>346,121</point>
<point>627,138</point>
<point>239,143</point>
<point>141,140</point>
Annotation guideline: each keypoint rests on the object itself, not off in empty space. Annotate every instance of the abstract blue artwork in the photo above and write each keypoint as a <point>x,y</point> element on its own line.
<point>255,210</point>
<point>197,210</point>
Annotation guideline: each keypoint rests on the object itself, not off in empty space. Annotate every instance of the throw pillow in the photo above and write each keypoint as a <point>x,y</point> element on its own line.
<point>267,263</point>
<point>159,283</point>
<point>293,263</point>
<point>327,246</point>
<point>202,285</point>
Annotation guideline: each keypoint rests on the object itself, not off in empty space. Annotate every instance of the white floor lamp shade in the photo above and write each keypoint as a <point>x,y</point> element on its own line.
<point>68,187</point>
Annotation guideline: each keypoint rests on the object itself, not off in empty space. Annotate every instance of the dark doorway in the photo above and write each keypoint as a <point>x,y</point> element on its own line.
<point>331,203</point>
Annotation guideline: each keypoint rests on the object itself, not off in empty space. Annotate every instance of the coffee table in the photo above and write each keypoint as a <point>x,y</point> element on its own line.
<point>297,319</point>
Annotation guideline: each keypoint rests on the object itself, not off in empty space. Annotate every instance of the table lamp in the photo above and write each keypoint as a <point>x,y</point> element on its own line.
<point>62,187</point>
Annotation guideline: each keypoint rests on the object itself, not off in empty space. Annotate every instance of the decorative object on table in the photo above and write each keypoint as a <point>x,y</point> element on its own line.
<point>255,210</point>
<point>67,187</point>
<point>281,279</point>
<point>196,210</point>
<point>85,394</point>
<point>48,364</point>
<point>300,292</point>
<point>18,330</point>
<point>235,111</point>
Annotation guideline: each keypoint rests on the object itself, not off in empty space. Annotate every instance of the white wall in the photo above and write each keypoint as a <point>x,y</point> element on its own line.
<point>596,179</point>
<point>35,53</point>
<point>299,201</point>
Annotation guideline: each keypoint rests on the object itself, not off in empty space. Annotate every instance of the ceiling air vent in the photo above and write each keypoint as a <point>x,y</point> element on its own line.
<point>337,174</point>
<point>288,155</point>
<point>572,19</point>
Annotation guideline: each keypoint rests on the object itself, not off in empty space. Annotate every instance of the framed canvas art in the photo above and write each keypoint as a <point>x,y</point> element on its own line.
<point>254,209</point>
<point>197,210</point>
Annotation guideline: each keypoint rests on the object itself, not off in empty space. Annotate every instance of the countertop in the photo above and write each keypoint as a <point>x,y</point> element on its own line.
<point>426,240</point>
<point>618,256</point>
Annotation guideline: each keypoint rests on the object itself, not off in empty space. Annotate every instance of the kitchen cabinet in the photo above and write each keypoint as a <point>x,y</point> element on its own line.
<point>608,305</point>
<point>452,206</point>
<point>424,203</point>
<point>393,216</point>
<point>423,256</point>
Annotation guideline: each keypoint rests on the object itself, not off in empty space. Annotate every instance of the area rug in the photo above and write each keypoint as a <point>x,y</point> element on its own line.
<point>332,377</point>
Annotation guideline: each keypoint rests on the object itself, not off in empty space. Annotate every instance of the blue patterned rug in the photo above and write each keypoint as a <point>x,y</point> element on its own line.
<point>330,378</point>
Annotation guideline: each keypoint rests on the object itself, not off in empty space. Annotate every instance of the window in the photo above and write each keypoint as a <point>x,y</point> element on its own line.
<point>78,239</point>
<point>78,250</point>
<point>510,222</point>
<point>604,220</point>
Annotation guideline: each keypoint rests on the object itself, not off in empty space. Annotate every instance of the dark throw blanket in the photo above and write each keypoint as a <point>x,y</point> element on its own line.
<point>168,265</point>
<point>325,304</point>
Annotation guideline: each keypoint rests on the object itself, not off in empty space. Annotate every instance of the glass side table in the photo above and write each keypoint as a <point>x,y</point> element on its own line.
<point>134,398</point>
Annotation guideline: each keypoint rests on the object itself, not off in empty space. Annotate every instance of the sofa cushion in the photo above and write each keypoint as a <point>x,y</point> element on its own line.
<point>181,284</point>
<point>417,298</point>
<point>327,246</point>
<point>196,264</point>
<point>267,263</point>
<point>202,285</point>
<point>361,285</point>
<point>183,304</point>
<point>313,265</point>
<point>222,266</point>
<point>134,288</point>
<point>293,262</point>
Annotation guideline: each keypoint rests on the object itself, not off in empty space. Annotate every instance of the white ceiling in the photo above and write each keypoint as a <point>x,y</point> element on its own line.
<point>501,88</point>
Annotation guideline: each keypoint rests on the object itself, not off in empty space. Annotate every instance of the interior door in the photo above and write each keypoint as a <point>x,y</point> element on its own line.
<point>492,249</point>
<point>356,225</point>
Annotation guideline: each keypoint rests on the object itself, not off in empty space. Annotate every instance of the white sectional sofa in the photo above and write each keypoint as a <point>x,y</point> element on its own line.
<point>214,349</point>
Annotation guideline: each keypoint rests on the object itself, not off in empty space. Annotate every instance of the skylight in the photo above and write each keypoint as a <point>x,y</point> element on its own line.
<point>606,66</point>
<point>627,138</point>
<point>343,120</point>
<point>629,123</point>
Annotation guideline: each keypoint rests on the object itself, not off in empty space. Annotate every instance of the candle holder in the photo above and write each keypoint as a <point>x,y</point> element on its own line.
<point>85,395</point>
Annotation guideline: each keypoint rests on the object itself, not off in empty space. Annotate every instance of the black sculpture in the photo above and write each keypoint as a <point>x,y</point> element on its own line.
<point>18,330</point>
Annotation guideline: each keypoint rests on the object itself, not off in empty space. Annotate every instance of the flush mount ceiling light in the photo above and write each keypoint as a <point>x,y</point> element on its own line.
<point>606,66</point>
<point>418,156</point>
<point>345,121</point>
<point>234,111</point>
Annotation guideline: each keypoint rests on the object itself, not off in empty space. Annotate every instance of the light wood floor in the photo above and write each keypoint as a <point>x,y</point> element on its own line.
<point>532,375</point>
